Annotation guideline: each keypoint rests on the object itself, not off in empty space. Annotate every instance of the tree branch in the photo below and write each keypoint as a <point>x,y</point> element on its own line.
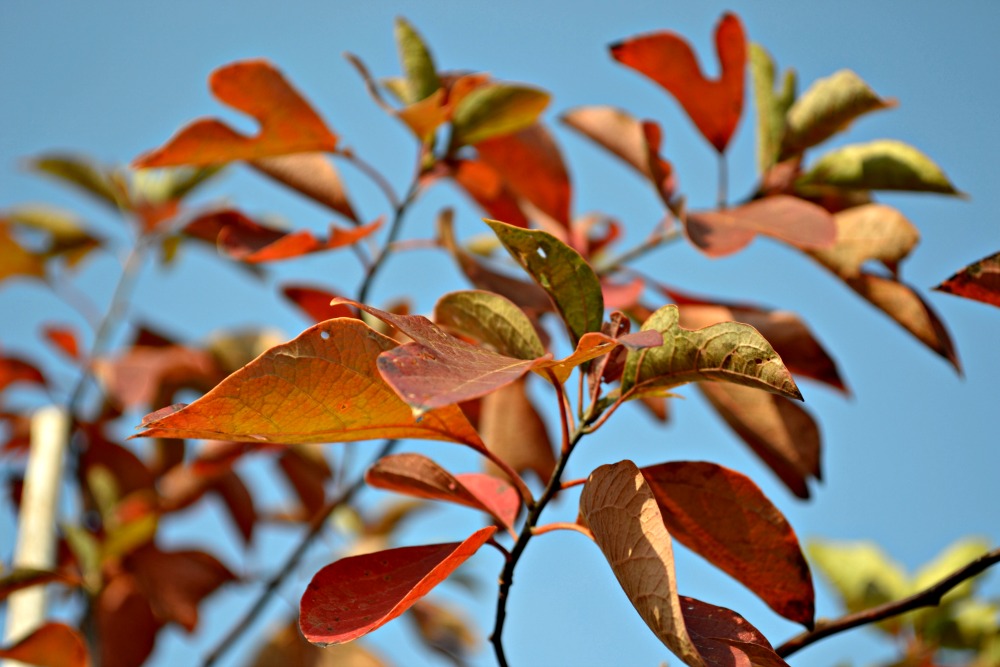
<point>926,598</point>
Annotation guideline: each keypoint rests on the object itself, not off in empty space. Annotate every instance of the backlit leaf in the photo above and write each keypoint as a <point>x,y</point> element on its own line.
<point>561,272</point>
<point>494,110</point>
<point>726,639</point>
<point>64,339</point>
<point>591,346</point>
<point>955,556</point>
<point>323,386</point>
<point>51,645</point>
<point>872,232</point>
<point>15,259</point>
<point>421,75</point>
<point>727,352</point>
<point>512,429</point>
<point>789,219</point>
<point>979,280</point>
<point>723,516</point>
<point>287,646</point>
<point>827,107</point>
<point>315,302</point>
<point>311,174</point>
<point>860,572</point>
<point>621,511</point>
<point>714,106</point>
<point>358,594</point>
<point>491,319</point>
<point>783,434</point>
<point>85,174</point>
<point>287,123</point>
<point>416,475</point>
<point>445,631</point>
<point>771,105</point>
<point>879,165</point>
<point>486,187</point>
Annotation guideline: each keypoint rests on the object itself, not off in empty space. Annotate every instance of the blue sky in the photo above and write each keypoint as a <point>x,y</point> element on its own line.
<point>911,460</point>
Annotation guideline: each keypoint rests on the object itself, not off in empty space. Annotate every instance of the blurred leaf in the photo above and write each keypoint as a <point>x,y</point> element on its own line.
<point>145,376</point>
<point>956,556</point>
<point>126,627</point>
<point>871,232</point>
<point>879,165</point>
<point>51,645</point>
<point>491,319</point>
<point>312,175</point>
<point>64,339</point>
<point>13,369</point>
<point>512,428</point>
<point>85,174</point>
<point>15,259</point>
<point>19,578</point>
<point>493,110</point>
<point>979,280</point>
<point>315,302</point>
<point>771,105</point>
<point>486,187</point>
<point>307,471</point>
<point>287,123</point>
<point>421,75</point>
<point>65,237</point>
<point>714,106</point>
<point>355,595</point>
<point>444,631</point>
<point>287,647</point>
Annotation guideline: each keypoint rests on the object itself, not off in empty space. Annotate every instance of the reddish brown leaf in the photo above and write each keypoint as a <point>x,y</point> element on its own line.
<point>726,639</point>
<point>239,503</point>
<point>416,475</point>
<point>287,123</point>
<point>783,434</point>
<point>307,471</point>
<point>320,387</point>
<point>311,174</point>
<point>129,472</point>
<point>356,595</point>
<point>723,516</point>
<point>14,370</point>
<point>622,513</point>
<point>870,232</point>
<point>51,645</point>
<point>315,302</point>
<point>286,648</point>
<point>444,631</point>
<point>149,376</point>
<point>64,339</point>
<point>980,281</point>
<point>512,428</point>
<point>789,219</point>
<point>126,626</point>
<point>486,187</point>
<point>714,106</point>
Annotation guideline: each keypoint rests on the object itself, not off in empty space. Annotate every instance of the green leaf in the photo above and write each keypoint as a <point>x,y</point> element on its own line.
<point>771,106</point>
<point>421,75</point>
<point>958,555</point>
<point>163,185</point>
<point>879,165</point>
<point>561,272</point>
<point>495,109</point>
<point>827,107</point>
<point>490,319</point>
<point>724,352</point>
<point>83,174</point>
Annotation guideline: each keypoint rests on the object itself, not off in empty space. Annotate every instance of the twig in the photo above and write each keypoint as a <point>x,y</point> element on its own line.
<point>561,525</point>
<point>723,194</point>
<point>290,565</point>
<point>926,598</point>
<point>394,229</point>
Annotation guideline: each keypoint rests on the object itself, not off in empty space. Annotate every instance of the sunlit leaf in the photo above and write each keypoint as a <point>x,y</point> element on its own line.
<point>979,280</point>
<point>872,232</point>
<point>287,123</point>
<point>729,352</point>
<point>723,516</point>
<point>323,386</point>
<point>491,319</point>
<point>726,639</point>
<point>591,346</point>
<point>827,107</point>
<point>311,174</point>
<point>955,556</point>
<point>622,513</point>
<point>315,302</point>
<point>512,429</point>
<point>714,106</point>
<point>494,110</point>
<point>879,165</point>
<point>358,594</point>
<point>561,272</point>
<point>771,105</point>
<point>15,259</point>
<point>789,219</point>
<point>421,75</point>
<point>51,645</point>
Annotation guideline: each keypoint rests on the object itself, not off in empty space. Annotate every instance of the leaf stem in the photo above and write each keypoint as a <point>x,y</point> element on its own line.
<point>722,197</point>
<point>561,525</point>
<point>662,235</point>
<point>926,598</point>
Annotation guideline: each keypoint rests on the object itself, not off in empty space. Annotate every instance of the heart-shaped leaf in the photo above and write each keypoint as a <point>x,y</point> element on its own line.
<point>287,123</point>
<point>979,280</point>
<point>872,232</point>
<point>727,352</point>
<point>493,110</point>
<point>714,106</point>
<point>723,516</point>
<point>323,386</point>
<point>417,475</point>
<point>878,165</point>
<point>621,511</point>
<point>51,645</point>
<point>726,639</point>
<point>355,595</point>
<point>771,105</point>
<point>561,272</point>
<point>491,319</point>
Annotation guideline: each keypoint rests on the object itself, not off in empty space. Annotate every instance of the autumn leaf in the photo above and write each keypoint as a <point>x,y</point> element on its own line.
<point>493,110</point>
<point>979,280</point>
<point>51,645</point>
<point>512,429</point>
<point>315,302</point>
<point>622,513</point>
<point>486,187</point>
<point>287,123</point>
<point>726,639</point>
<point>64,339</point>
<point>90,177</point>
<point>14,369</point>
<point>862,575</point>
<point>714,106</point>
<point>323,386</point>
<point>771,105</point>
<point>724,517</point>
<point>872,232</point>
<point>789,219</point>
<point>421,74</point>
<point>19,578</point>
<point>307,472</point>
<point>310,174</point>
<point>491,319</point>
<point>65,236</point>
<point>729,352</point>
<point>125,623</point>
<point>15,259</point>
<point>356,595</point>
<point>445,631</point>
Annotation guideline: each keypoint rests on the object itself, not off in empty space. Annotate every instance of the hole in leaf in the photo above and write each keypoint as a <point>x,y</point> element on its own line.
<point>325,335</point>
<point>541,253</point>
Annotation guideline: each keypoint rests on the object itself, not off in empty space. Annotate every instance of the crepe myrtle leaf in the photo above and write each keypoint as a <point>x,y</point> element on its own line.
<point>870,232</point>
<point>356,595</point>
<point>310,174</point>
<point>513,429</point>
<point>979,281</point>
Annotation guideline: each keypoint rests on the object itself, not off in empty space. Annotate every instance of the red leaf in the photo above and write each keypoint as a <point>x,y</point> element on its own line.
<point>239,503</point>
<point>980,281</point>
<point>356,595</point>
<point>723,516</point>
<point>287,123</point>
<point>126,626</point>
<point>726,639</point>
<point>315,302</point>
<point>714,106</point>
<point>14,370</point>
<point>307,472</point>
<point>64,338</point>
<point>148,376</point>
<point>486,187</point>
<point>51,645</point>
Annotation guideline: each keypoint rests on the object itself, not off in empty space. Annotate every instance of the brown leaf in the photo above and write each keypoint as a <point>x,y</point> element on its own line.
<point>418,476</point>
<point>287,123</point>
<point>782,433</point>
<point>239,503</point>
<point>444,631</point>
<point>714,106</point>
<point>622,513</point>
<point>723,516</point>
<point>726,639</point>
<point>512,428</point>
<point>315,302</point>
<point>15,259</point>
<point>13,369</point>
<point>126,626</point>
<point>19,578</point>
<point>308,473</point>
<point>51,645</point>
<point>872,232</point>
<point>64,339</point>
<point>356,595</point>
<point>789,219</point>
<point>329,389</point>
<point>286,647</point>
<point>979,280</point>
<point>311,174</point>
<point>148,376</point>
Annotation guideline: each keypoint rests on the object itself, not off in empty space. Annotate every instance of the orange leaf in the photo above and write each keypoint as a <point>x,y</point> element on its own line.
<point>356,595</point>
<point>714,106</point>
<point>417,475</point>
<point>14,370</point>
<point>726,639</point>
<point>287,123</point>
<point>980,281</point>
<point>512,429</point>
<point>723,516</point>
<point>320,387</point>
<point>487,188</point>
<point>311,174</point>
<point>315,302</point>
<point>51,645</point>
<point>64,338</point>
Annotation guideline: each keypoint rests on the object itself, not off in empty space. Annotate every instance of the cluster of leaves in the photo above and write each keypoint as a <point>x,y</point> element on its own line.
<point>362,373</point>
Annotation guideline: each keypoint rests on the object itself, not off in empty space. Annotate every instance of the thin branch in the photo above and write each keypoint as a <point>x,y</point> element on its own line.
<point>564,412</point>
<point>394,229</point>
<point>661,236</point>
<point>571,483</point>
<point>316,525</point>
<point>723,194</point>
<point>926,598</point>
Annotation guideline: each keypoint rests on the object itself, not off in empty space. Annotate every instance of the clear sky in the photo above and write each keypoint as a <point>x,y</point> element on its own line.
<point>911,461</point>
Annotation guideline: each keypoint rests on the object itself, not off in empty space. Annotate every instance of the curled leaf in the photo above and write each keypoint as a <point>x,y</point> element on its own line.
<point>771,105</point>
<point>311,174</point>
